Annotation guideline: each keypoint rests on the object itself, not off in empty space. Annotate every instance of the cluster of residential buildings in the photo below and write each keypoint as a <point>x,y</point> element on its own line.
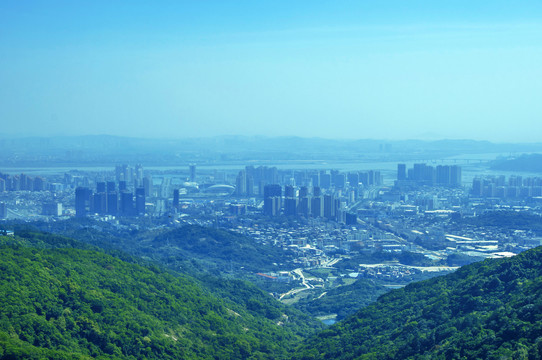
<point>515,187</point>
<point>333,211</point>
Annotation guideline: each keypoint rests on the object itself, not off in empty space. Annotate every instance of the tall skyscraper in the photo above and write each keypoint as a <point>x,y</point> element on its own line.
<point>111,187</point>
<point>272,199</point>
<point>455,175</point>
<point>315,179</point>
<point>127,203</point>
<point>250,185</point>
<point>176,198</point>
<point>82,201</point>
<point>192,170</point>
<point>364,178</point>
<point>100,187</point>
<point>147,185</point>
<point>401,172</point>
<point>112,203</point>
<point>443,175</point>
<point>241,183</point>
<point>325,180</point>
<point>140,201</point>
<point>99,203</point>
<point>353,179</point>
<point>304,204</point>
<point>329,207</point>
<point>38,184</point>
<point>317,206</point>
<point>339,180</point>
<point>3,210</point>
<point>290,201</point>
<point>138,173</point>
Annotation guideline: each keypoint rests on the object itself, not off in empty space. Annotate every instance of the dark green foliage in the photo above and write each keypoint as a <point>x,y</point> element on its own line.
<point>224,249</point>
<point>487,310</point>
<point>403,257</point>
<point>200,267</point>
<point>343,300</point>
<point>71,303</point>
<point>460,259</point>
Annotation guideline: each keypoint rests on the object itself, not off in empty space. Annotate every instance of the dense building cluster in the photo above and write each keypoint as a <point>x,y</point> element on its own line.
<point>423,174</point>
<point>516,187</point>
<point>22,182</point>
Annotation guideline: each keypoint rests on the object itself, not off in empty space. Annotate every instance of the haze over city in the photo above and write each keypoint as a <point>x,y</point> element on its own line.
<point>393,70</point>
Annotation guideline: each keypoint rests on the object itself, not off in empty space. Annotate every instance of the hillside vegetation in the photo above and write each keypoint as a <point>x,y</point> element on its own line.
<point>523,163</point>
<point>219,249</point>
<point>69,303</point>
<point>487,310</point>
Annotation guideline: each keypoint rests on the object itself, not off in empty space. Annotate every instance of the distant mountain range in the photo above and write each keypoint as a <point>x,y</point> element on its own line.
<point>110,150</point>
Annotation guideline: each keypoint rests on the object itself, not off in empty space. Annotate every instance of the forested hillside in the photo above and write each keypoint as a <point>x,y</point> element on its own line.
<point>73,303</point>
<point>487,310</point>
<point>220,249</point>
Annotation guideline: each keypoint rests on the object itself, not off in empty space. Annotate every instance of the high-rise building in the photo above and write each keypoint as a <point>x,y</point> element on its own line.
<point>51,209</point>
<point>477,187</point>
<point>304,203</point>
<point>329,206</point>
<point>112,203</point>
<point>15,183</point>
<point>364,178</point>
<point>443,175</point>
<point>290,201</point>
<point>147,185</point>
<point>270,175</point>
<point>124,173</point>
<point>401,172</point>
<point>272,199</point>
<point>39,184</point>
<point>317,206</point>
<point>325,180</point>
<point>250,185</point>
<point>119,173</point>
<point>127,203</point>
<point>241,183</point>
<point>3,210</point>
<point>99,203</point>
<point>353,179</point>
<point>316,191</point>
<point>192,170</point>
<point>455,175</point>
<point>82,201</point>
<point>111,187</point>
<point>176,198</point>
<point>289,191</point>
<point>315,179</point>
<point>100,187</point>
<point>140,201</point>
<point>339,181</point>
<point>23,182</point>
<point>138,174</point>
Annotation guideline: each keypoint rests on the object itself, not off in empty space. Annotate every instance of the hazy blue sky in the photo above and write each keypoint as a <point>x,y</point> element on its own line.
<point>335,69</point>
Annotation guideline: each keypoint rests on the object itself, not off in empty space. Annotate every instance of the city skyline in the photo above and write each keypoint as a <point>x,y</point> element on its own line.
<point>343,70</point>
